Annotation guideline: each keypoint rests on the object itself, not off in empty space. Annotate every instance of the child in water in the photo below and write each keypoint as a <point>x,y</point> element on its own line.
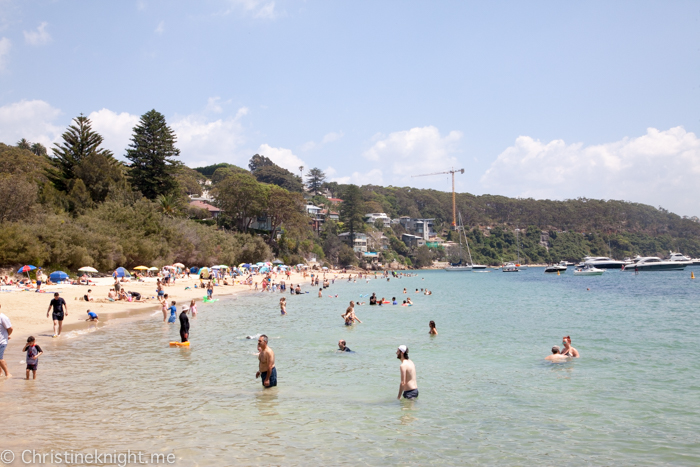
<point>33,353</point>
<point>283,306</point>
<point>193,309</point>
<point>173,311</point>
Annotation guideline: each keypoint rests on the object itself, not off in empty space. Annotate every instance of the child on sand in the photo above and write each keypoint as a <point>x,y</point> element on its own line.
<point>33,353</point>
<point>92,316</point>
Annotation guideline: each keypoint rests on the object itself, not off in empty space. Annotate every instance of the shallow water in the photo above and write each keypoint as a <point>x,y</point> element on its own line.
<point>486,395</point>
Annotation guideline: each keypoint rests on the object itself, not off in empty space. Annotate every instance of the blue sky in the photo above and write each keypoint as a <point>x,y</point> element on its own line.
<point>541,99</point>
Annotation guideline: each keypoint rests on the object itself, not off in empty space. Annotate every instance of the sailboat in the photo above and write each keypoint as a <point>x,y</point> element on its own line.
<point>459,266</point>
<point>517,237</point>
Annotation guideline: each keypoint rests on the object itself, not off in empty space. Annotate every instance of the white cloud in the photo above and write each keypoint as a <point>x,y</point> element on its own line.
<point>33,120</point>
<point>39,37</point>
<point>116,129</point>
<point>257,8</point>
<point>414,152</point>
<point>283,157</point>
<point>373,177</point>
<point>660,168</point>
<point>213,105</point>
<point>327,138</point>
<point>5,46</point>
<point>160,29</point>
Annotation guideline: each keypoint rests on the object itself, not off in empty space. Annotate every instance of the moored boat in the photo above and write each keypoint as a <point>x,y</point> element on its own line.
<point>510,267</point>
<point>654,263</point>
<point>588,270</point>
<point>561,267</point>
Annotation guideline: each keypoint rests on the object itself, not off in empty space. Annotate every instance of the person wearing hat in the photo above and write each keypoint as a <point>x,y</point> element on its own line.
<point>409,386</point>
<point>184,324</point>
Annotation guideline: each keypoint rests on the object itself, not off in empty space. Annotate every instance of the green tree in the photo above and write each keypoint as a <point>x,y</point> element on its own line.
<point>80,157</point>
<point>24,144</point>
<point>258,161</point>
<point>152,153</point>
<point>241,198</point>
<point>276,175</point>
<point>282,206</point>
<point>39,149</point>
<point>315,179</point>
<point>352,210</point>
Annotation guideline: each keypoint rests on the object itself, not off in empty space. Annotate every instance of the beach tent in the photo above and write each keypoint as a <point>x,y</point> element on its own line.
<point>194,270</point>
<point>204,272</point>
<point>58,276</point>
<point>121,272</point>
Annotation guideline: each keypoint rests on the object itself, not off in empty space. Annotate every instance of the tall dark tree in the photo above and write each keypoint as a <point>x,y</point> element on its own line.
<point>352,210</point>
<point>315,179</point>
<point>80,157</point>
<point>258,161</point>
<point>152,153</point>
<point>24,144</point>
<point>39,149</point>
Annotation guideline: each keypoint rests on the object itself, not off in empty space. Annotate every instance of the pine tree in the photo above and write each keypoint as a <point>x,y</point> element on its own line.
<point>352,210</point>
<point>314,179</point>
<point>79,154</point>
<point>152,152</point>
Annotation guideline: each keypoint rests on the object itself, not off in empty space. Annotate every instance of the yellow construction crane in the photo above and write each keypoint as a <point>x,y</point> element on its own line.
<point>453,172</point>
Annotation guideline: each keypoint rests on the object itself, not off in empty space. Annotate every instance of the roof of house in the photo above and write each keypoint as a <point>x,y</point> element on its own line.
<point>203,205</point>
<point>335,200</point>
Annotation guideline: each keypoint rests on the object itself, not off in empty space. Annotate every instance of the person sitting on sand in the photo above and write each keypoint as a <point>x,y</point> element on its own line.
<point>87,296</point>
<point>112,295</point>
<point>123,295</point>
<point>568,350</point>
<point>433,329</point>
<point>556,355</point>
<point>92,316</point>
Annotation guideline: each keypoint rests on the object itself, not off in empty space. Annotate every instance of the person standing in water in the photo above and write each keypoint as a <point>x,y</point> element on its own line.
<point>433,329</point>
<point>184,325</point>
<point>266,364</point>
<point>568,350</point>
<point>283,306</point>
<point>60,310</point>
<point>409,385</point>
<point>173,312</point>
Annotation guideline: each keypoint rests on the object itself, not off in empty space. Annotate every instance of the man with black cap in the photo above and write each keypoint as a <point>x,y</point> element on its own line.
<point>409,386</point>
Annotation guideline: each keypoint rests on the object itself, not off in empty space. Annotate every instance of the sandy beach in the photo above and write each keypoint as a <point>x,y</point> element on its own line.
<point>27,309</point>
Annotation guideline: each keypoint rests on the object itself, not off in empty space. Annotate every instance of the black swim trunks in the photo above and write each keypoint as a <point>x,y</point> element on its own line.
<point>273,378</point>
<point>412,394</point>
<point>32,367</point>
<point>58,316</point>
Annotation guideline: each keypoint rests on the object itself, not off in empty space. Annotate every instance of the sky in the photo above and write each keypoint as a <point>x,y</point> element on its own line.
<point>549,100</point>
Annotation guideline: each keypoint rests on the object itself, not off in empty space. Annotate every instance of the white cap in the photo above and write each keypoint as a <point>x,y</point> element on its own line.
<point>403,348</point>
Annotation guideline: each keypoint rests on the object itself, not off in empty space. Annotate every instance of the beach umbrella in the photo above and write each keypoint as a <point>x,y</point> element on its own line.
<point>58,276</point>
<point>277,261</point>
<point>121,272</point>
<point>247,265</point>
<point>142,268</point>
<point>300,265</point>
<point>169,267</point>
<point>268,263</point>
<point>324,268</point>
<point>26,268</point>
<point>216,267</point>
<point>153,269</point>
<point>260,263</point>
<point>87,269</point>
<point>179,265</point>
<point>223,266</point>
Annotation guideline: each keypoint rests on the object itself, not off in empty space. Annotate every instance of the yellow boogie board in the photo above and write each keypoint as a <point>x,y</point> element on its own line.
<point>180,344</point>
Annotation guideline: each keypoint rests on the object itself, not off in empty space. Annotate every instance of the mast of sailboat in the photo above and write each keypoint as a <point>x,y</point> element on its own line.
<point>466,240</point>
<point>453,171</point>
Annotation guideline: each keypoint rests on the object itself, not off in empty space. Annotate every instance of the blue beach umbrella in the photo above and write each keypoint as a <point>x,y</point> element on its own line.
<point>58,276</point>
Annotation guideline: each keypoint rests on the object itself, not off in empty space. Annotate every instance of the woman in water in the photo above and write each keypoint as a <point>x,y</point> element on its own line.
<point>433,329</point>
<point>164,305</point>
<point>283,306</point>
<point>193,309</point>
<point>568,350</point>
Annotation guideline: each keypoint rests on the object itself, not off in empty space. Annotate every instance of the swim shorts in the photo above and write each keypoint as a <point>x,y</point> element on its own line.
<point>2,350</point>
<point>183,336</point>
<point>58,316</point>
<point>273,378</point>
<point>412,394</point>
<point>32,367</point>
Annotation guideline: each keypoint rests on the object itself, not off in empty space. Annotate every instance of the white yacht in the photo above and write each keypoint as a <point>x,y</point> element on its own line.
<point>510,267</point>
<point>678,257</point>
<point>458,268</point>
<point>561,267</point>
<point>654,263</point>
<point>588,270</point>
<point>602,262</point>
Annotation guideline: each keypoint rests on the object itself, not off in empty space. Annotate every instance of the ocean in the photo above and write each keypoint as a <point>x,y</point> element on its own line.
<point>487,396</point>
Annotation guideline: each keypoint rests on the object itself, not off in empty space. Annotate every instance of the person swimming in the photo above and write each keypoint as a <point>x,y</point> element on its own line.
<point>433,329</point>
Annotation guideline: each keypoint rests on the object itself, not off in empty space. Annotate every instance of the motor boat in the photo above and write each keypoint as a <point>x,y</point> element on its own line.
<point>458,268</point>
<point>478,267</point>
<point>654,263</point>
<point>602,262</point>
<point>561,267</point>
<point>588,270</point>
<point>679,258</point>
<point>510,267</point>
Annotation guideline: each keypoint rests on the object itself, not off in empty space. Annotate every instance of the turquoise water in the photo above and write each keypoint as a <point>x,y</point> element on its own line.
<point>487,396</point>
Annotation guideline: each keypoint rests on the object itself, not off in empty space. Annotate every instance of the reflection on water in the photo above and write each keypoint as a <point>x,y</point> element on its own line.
<point>486,394</point>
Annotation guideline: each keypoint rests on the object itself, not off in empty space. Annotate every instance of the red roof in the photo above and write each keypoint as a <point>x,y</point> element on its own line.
<point>335,200</point>
<point>203,205</point>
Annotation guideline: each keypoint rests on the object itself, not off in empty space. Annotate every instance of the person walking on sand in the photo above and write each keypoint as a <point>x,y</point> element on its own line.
<point>409,386</point>
<point>184,325</point>
<point>5,332</point>
<point>33,354</point>
<point>266,364</point>
<point>60,310</point>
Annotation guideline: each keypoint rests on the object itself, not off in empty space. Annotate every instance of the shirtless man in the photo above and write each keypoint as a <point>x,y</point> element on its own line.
<point>266,366</point>
<point>409,386</point>
<point>556,355</point>
<point>60,310</point>
<point>568,350</point>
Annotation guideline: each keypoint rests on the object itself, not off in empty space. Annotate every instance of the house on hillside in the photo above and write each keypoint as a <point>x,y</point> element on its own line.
<point>372,217</point>
<point>360,243</point>
<point>420,227</point>
<point>213,210</point>
<point>335,200</point>
<point>412,241</point>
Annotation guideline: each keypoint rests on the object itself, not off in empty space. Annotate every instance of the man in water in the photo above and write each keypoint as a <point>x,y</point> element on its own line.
<point>556,355</point>
<point>60,310</point>
<point>184,324</point>
<point>409,386</point>
<point>266,365</point>
<point>343,347</point>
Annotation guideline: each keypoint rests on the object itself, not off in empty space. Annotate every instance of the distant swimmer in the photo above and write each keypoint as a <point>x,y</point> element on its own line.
<point>433,329</point>
<point>320,293</point>
<point>283,306</point>
<point>184,324</point>
<point>266,364</point>
<point>409,386</point>
<point>556,355</point>
<point>342,346</point>
<point>568,350</point>
<point>404,290</point>
<point>409,301</point>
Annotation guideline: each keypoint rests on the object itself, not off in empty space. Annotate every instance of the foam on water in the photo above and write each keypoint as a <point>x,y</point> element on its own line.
<point>486,394</point>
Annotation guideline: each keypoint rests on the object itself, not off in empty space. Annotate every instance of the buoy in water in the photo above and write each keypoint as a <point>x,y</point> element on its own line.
<point>692,275</point>
<point>558,273</point>
<point>180,344</point>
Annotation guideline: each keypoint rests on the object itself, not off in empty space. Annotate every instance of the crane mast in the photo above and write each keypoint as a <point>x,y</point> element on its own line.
<point>453,171</point>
